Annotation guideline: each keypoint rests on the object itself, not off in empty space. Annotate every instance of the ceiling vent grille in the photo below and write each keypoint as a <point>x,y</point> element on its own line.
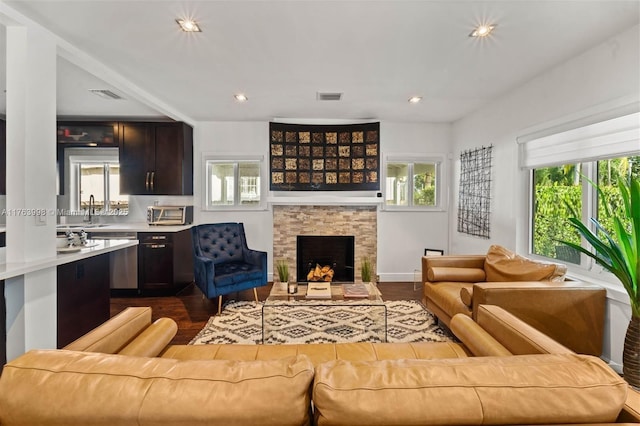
<point>105,93</point>
<point>327,96</point>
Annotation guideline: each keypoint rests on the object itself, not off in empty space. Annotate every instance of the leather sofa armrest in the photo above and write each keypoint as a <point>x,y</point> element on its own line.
<point>115,333</point>
<point>571,313</point>
<point>462,261</point>
<point>152,341</point>
<point>475,338</point>
<point>517,336</point>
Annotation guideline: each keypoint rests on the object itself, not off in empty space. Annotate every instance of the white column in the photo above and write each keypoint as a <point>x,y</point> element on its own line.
<point>31,187</point>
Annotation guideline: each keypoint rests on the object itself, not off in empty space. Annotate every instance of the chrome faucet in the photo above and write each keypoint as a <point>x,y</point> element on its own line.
<point>92,208</point>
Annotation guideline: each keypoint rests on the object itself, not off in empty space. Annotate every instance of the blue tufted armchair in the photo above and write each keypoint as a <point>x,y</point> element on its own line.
<point>223,263</point>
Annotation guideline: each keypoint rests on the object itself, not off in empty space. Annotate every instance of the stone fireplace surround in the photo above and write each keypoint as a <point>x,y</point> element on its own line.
<point>289,221</point>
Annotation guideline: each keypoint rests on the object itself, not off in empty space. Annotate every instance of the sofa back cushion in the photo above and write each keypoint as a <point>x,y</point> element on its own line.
<point>77,388</point>
<point>529,389</point>
<point>503,265</point>
<point>447,273</point>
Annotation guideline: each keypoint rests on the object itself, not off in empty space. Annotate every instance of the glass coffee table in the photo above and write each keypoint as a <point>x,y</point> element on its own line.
<point>292,318</point>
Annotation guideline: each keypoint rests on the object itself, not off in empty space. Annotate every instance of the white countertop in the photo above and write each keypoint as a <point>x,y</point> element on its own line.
<point>96,247</point>
<point>122,227</point>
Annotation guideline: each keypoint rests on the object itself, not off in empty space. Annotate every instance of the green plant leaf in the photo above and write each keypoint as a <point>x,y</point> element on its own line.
<point>619,254</point>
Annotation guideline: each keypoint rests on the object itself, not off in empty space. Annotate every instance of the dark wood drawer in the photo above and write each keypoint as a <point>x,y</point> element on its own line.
<point>155,238</point>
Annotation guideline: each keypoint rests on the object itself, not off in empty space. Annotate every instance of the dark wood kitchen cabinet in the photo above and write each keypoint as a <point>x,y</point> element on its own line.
<point>83,297</point>
<point>156,158</point>
<point>165,261</point>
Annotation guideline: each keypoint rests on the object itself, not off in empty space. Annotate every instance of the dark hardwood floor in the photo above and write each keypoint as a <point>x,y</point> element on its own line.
<point>191,312</point>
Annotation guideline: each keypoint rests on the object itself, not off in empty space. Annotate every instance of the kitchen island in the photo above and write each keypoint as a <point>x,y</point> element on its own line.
<point>34,313</point>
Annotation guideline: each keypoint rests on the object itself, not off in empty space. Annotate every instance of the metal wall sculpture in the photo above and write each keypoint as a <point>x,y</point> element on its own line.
<point>324,157</point>
<point>474,199</point>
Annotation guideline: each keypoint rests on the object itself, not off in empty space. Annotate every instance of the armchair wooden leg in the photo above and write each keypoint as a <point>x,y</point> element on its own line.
<point>255,293</point>
<point>219,304</point>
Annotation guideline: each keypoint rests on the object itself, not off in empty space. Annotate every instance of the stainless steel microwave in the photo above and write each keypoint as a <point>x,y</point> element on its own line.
<point>169,215</point>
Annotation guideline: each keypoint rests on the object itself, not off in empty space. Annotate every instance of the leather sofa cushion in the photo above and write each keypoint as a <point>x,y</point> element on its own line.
<point>503,265</point>
<point>447,296</point>
<point>467,275</point>
<point>466,295</point>
<point>530,389</point>
<point>77,388</point>
<point>319,353</point>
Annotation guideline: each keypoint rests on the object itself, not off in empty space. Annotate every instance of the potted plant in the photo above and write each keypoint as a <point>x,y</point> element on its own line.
<point>618,251</point>
<point>282,267</point>
<point>366,269</point>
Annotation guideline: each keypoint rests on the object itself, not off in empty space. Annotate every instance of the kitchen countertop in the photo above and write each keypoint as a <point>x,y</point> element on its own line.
<point>97,247</point>
<point>121,227</point>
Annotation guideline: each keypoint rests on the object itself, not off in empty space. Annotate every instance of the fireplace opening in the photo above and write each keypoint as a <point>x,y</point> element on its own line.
<point>334,252</point>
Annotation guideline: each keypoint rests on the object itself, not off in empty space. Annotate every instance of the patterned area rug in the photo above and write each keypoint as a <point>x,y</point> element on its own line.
<point>241,323</point>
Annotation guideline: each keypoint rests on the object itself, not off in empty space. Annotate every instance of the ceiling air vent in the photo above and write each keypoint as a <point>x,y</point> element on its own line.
<point>326,96</point>
<point>105,93</point>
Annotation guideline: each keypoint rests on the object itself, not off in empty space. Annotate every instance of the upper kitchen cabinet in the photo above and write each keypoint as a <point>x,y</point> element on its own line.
<point>156,159</point>
<point>85,133</point>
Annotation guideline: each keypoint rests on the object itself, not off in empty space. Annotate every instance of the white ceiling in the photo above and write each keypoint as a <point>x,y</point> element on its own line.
<point>280,53</point>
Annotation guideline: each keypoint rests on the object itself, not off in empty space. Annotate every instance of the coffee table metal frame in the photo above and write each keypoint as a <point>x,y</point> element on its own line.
<point>279,297</point>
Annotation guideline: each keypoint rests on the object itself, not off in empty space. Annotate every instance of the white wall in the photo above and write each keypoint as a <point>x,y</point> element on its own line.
<point>402,236</point>
<point>599,76</point>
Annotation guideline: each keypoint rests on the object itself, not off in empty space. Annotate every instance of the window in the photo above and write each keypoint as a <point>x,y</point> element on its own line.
<point>561,190</point>
<point>96,172</point>
<point>555,189</point>
<point>562,161</point>
<point>231,183</point>
<point>412,184</point>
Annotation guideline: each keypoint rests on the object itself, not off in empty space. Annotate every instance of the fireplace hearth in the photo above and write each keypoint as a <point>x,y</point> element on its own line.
<point>335,252</point>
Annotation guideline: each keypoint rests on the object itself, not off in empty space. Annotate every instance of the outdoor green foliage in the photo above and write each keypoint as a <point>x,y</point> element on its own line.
<point>551,214</point>
<point>424,189</point>
<point>283,270</point>
<point>617,249</point>
<point>366,269</point>
<point>558,191</point>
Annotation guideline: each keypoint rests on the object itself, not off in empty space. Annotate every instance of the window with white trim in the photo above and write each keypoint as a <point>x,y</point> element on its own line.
<point>601,152</point>
<point>95,172</point>
<point>412,183</point>
<point>233,183</point>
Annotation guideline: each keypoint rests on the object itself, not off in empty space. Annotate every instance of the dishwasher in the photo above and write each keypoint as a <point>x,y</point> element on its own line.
<point>123,264</point>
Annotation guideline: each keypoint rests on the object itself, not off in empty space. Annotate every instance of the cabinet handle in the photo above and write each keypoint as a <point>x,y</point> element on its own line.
<point>158,246</point>
<point>146,182</point>
<point>158,237</point>
<point>153,178</point>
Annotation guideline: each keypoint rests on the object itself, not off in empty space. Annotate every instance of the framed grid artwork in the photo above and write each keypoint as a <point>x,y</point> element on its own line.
<point>324,157</point>
<point>474,198</point>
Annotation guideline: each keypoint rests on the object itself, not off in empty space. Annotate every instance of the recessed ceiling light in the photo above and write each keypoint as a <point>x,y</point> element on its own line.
<point>482,31</point>
<point>415,99</point>
<point>241,97</point>
<point>188,25</point>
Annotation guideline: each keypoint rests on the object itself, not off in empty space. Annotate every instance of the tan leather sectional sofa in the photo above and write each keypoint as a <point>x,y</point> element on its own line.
<point>502,372</point>
<point>570,312</point>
